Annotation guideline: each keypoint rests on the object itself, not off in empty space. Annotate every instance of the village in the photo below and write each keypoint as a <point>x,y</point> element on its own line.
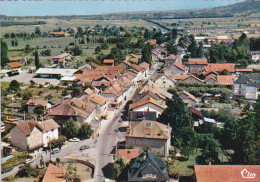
<point>129,104</point>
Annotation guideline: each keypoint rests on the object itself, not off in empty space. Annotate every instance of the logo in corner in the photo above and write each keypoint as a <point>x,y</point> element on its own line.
<point>247,174</point>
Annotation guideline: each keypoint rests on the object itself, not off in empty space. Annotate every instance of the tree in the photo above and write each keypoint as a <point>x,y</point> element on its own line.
<point>89,59</point>
<point>58,161</point>
<point>146,53</point>
<point>246,139</point>
<point>104,46</point>
<point>70,129</point>
<point>27,171</point>
<point>210,149</point>
<point>200,52</point>
<point>36,59</point>
<point>14,85</point>
<point>37,31</point>
<point>192,48</point>
<point>85,131</point>
<point>39,110</point>
<point>76,51</point>
<point>64,92</point>
<point>12,42</point>
<point>177,115</point>
<point>4,53</point>
<point>16,42</point>
<point>119,165</point>
<point>97,50</point>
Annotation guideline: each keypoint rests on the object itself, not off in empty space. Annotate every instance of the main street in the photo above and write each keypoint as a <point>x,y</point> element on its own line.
<point>108,139</point>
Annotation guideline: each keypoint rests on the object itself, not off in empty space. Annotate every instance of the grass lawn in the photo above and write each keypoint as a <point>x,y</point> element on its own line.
<point>82,171</point>
<point>4,85</point>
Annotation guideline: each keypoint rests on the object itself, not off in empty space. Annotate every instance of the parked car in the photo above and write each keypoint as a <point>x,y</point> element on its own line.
<point>55,150</point>
<point>28,161</point>
<point>74,139</point>
<point>83,147</point>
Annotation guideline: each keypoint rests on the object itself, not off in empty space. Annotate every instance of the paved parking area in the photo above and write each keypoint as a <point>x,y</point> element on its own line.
<point>25,77</point>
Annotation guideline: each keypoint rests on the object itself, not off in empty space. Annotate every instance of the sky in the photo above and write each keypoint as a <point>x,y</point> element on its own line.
<point>94,7</point>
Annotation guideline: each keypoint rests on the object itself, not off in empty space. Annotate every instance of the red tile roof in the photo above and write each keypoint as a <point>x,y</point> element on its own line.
<point>197,61</point>
<point>54,174</point>
<point>14,65</point>
<point>152,41</point>
<point>220,67</point>
<point>171,57</point>
<point>16,59</point>
<point>149,129</point>
<point>196,111</point>
<point>146,101</point>
<point>26,126</point>
<point>109,61</point>
<point>192,77</point>
<point>127,153</point>
<point>210,77</point>
<point>61,60</point>
<point>179,65</point>
<point>225,79</point>
<point>35,102</point>
<point>144,65</point>
<point>189,95</point>
<point>227,173</point>
<point>180,77</point>
<point>244,70</point>
<point>48,125</point>
<point>209,71</point>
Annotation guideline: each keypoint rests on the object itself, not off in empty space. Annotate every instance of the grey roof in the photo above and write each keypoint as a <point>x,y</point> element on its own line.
<point>56,71</point>
<point>142,115</point>
<point>248,78</point>
<point>148,163</point>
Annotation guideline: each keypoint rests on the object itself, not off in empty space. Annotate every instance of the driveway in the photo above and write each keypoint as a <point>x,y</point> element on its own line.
<point>25,77</point>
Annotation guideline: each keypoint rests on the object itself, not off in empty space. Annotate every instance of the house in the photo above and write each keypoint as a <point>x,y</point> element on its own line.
<point>127,153</point>
<point>76,108</point>
<point>54,174</point>
<point>32,103</point>
<point>148,104</point>
<point>218,68</point>
<point>164,81</point>
<point>175,69</point>
<point>26,135</point>
<point>133,58</point>
<point>197,63</point>
<point>255,56</point>
<point>152,134</point>
<point>142,115</point>
<point>61,59</point>
<point>58,34</point>
<point>170,59</point>
<point>225,79</point>
<point>247,86</point>
<point>145,69</point>
<point>216,173</point>
<point>20,60</point>
<point>179,78</point>
<point>118,92</point>
<point>49,130</point>
<point>153,42</point>
<point>191,79</point>
<point>10,97</point>
<point>14,66</point>
<point>100,101</point>
<point>188,98</point>
<point>153,88</point>
<point>109,62</point>
<point>148,167</point>
<point>211,79</point>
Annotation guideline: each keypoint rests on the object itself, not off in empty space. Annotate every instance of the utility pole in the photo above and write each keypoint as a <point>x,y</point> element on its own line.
<point>50,150</point>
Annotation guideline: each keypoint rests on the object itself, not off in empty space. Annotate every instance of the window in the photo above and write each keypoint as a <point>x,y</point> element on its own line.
<point>148,125</point>
<point>149,175</point>
<point>164,82</point>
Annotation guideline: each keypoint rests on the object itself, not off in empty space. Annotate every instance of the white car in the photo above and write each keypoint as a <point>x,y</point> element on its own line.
<point>74,139</point>
<point>29,161</point>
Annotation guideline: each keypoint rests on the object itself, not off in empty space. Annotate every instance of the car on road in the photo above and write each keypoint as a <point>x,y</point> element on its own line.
<point>55,150</point>
<point>83,147</point>
<point>74,139</point>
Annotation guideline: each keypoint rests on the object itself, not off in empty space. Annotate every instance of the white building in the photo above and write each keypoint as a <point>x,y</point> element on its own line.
<point>49,131</point>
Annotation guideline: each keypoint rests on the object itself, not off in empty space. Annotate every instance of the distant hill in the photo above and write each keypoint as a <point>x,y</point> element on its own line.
<point>251,6</point>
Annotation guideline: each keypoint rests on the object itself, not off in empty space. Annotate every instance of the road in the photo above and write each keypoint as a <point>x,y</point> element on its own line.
<point>108,139</point>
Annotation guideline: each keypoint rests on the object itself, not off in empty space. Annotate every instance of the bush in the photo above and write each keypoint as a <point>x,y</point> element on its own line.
<point>9,178</point>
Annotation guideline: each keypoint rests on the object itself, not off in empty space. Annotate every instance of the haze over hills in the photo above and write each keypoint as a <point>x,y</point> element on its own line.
<point>249,6</point>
